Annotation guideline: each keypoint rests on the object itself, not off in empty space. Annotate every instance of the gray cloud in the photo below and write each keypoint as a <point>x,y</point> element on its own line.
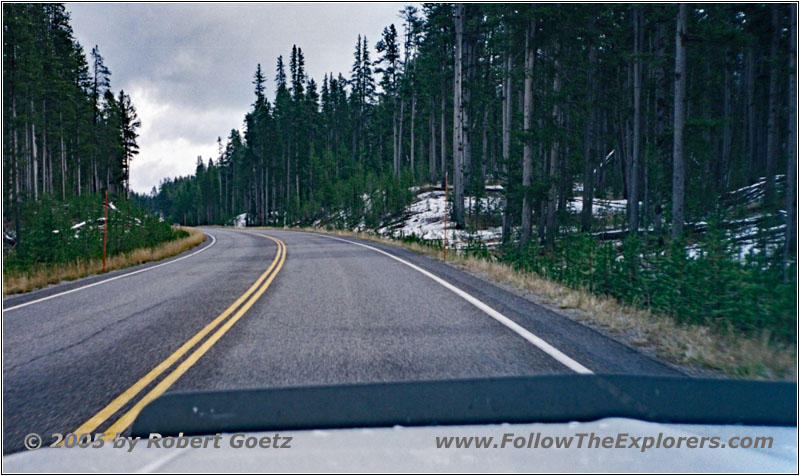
<point>189,67</point>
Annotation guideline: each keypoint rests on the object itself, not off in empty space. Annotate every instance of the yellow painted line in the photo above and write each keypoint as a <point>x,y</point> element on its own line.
<point>125,420</point>
<point>95,421</point>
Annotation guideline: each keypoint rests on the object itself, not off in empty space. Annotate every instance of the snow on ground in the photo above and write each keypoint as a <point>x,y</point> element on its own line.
<point>424,218</point>
<point>600,207</point>
<point>240,221</point>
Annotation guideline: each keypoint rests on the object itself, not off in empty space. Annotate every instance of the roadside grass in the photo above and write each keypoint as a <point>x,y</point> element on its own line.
<point>43,275</point>
<point>700,349</point>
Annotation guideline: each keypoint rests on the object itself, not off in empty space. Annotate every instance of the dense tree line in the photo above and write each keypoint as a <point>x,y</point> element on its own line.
<point>668,106</point>
<point>65,133</point>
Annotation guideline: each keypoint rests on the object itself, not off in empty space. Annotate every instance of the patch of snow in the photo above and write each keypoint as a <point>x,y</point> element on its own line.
<point>79,225</point>
<point>240,221</point>
<point>600,207</point>
<point>425,219</point>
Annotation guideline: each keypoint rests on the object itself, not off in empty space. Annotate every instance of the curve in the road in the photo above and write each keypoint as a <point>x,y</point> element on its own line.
<point>250,296</point>
<point>543,345</point>
<point>149,268</point>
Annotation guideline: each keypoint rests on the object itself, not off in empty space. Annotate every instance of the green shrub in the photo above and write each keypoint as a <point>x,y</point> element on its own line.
<point>47,235</point>
<point>712,288</point>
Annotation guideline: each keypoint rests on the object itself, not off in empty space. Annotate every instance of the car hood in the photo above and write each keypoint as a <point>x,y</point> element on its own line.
<point>414,449</point>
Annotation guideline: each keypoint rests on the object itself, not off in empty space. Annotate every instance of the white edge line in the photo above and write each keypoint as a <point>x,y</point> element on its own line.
<point>213,241</point>
<point>521,331</point>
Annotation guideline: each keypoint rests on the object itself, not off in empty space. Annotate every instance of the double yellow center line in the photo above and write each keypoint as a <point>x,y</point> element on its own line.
<point>250,296</point>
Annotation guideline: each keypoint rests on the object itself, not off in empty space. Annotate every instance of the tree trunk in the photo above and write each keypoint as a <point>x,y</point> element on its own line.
<point>790,247</point>
<point>15,168</point>
<point>458,125</point>
<point>724,172</point>
<point>484,144</point>
<point>467,71</point>
<point>750,116</point>
<point>633,197</point>
<point>507,106</point>
<point>772,120</point>
<point>63,157</point>
<point>552,195</point>
<point>443,129</point>
<point>411,127</point>
<point>432,144</point>
<point>527,125</point>
<point>678,172</point>
<point>288,181</point>
<point>661,158</point>
<point>400,137</point>
<point>588,162</point>
<point>395,147</point>
<point>34,162</point>
<point>47,166</point>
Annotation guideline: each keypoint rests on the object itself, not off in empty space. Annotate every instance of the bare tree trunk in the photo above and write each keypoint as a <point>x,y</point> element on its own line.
<point>443,129</point>
<point>484,143</point>
<point>772,120</point>
<point>724,175</point>
<point>79,176</point>
<point>588,162</point>
<point>28,163</point>
<point>15,167</point>
<point>750,85</point>
<point>458,115</point>
<point>678,172</point>
<point>466,100</point>
<point>432,144</point>
<point>507,106</point>
<point>411,126</point>
<point>527,125</point>
<point>552,196</point>
<point>96,184</point>
<point>790,247</point>
<point>47,165</point>
<point>662,159</point>
<point>35,162</point>
<point>633,198</point>
<point>63,157</point>
<point>400,137</point>
<point>395,155</point>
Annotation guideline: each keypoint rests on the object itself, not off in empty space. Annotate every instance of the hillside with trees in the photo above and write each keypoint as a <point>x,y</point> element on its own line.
<point>676,110</point>
<point>672,106</point>
<point>67,139</point>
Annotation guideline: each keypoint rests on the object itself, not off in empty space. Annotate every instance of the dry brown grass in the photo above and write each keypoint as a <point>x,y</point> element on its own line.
<point>698,349</point>
<point>41,276</point>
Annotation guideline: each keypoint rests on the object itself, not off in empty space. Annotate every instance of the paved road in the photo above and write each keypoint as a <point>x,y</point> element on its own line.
<point>328,311</point>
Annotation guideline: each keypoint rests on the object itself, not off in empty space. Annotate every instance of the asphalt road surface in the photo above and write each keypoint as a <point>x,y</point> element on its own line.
<point>244,310</point>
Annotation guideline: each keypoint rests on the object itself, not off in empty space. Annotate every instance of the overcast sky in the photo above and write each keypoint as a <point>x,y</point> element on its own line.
<point>189,67</point>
